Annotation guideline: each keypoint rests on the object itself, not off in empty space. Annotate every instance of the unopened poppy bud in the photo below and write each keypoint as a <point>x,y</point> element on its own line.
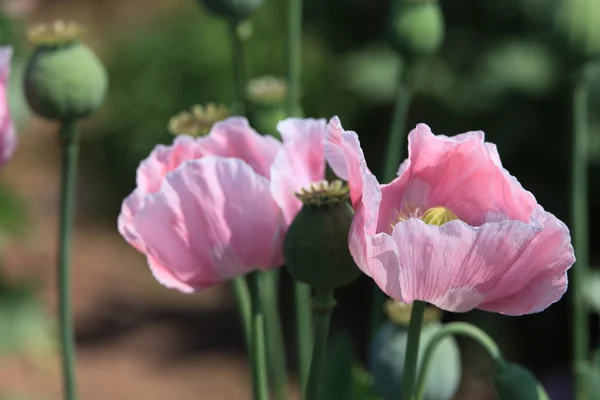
<point>232,9</point>
<point>316,245</point>
<point>64,79</point>
<point>198,120</point>
<point>266,96</point>
<point>416,27</point>
<point>388,350</point>
<point>514,382</point>
<point>577,28</point>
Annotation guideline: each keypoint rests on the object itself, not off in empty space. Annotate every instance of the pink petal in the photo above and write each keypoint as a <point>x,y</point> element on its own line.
<point>299,162</point>
<point>464,174</point>
<point>212,220</point>
<point>457,267</point>
<point>539,278</point>
<point>129,208</point>
<point>235,138</point>
<point>164,159</point>
<point>8,136</point>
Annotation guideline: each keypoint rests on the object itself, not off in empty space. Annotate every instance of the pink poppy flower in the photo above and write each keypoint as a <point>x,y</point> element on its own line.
<point>208,209</point>
<point>8,136</point>
<point>503,253</point>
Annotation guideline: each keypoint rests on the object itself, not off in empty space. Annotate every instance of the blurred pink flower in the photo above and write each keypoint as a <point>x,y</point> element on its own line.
<point>209,209</point>
<point>8,136</point>
<point>503,254</point>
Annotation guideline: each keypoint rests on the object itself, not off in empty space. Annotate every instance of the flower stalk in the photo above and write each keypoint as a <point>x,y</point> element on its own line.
<point>239,66</point>
<point>412,349</point>
<point>579,222</point>
<point>260,388</point>
<point>68,181</point>
<point>323,304</point>
<point>455,328</point>
<point>301,291</point>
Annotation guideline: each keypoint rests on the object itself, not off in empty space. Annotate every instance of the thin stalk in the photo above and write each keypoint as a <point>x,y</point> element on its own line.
<point>580,229</point>
<point>68,181</point>
<point>242,297</point>
<point>239,67</point>
<point>323,305</point>
<point>394,156</point>
<point>275,342</point>
<point>293,53</point>
<point>455,328</point>
<point>260,385</point>
<point>304,322</point>
<point>412,349</point>
<point>301,291</point>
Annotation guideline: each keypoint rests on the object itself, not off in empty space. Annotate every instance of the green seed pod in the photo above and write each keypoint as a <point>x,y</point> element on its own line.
<point>577,29</point>
<point>64,79</point>
<point>388,350</point>
<point>316,245</point>
<point>237,10</point>
<point>514,382</point>
<point>416,28</point>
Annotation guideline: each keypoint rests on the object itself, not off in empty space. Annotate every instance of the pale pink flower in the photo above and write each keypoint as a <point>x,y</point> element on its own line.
<point>8,135</point>
<point>504,254</point>
<point>208,209</point>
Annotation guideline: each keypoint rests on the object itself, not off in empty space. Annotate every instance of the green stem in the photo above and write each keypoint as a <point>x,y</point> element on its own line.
<point>304,332</point>
<point>68,181</point>
<point>455,328</point>
<point>323,305</point>
<point>260,387</point>
<point>275,342</point>
<point>412,349</point>
<point>579,222</point>
<point>301,291</point>
<point>239,67</point>
<point>242,297</point>
<point>394,156</point>
<point>293,53</point>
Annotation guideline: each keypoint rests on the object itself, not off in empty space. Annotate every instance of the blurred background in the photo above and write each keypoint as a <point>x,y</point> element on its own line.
<point>498,71</point>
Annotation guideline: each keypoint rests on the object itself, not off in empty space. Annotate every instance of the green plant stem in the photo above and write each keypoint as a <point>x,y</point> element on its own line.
<point>301,291</point>
<point>242,297</point>
<point>293,55</point>
<point>394,156</point>
<point>68,181</point>
<point>455,328</point>
<point>323,305</point>
<point>412,349</point>
<point>260,386</point>
<point>304,323</point>
<point>275,342</point>
<point>239,67</point>
<point>580,229</point>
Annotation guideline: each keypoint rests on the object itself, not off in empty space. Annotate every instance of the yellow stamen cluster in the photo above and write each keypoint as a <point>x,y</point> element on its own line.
<point>267,89</point>
<point>198,120</point>
<point>324,193</point>
<point>438,216</point>
<point>55,34</point>
<point>433,216</point>
<point>399,313</point>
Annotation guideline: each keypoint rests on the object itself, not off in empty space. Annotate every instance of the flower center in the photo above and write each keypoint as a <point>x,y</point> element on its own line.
<point>438,216</point>
<point>433,216</point>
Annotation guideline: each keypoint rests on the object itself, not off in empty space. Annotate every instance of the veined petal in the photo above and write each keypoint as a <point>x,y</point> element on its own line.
<point>233,137</point>
<point>298,163</point>
<point>212,220</point>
